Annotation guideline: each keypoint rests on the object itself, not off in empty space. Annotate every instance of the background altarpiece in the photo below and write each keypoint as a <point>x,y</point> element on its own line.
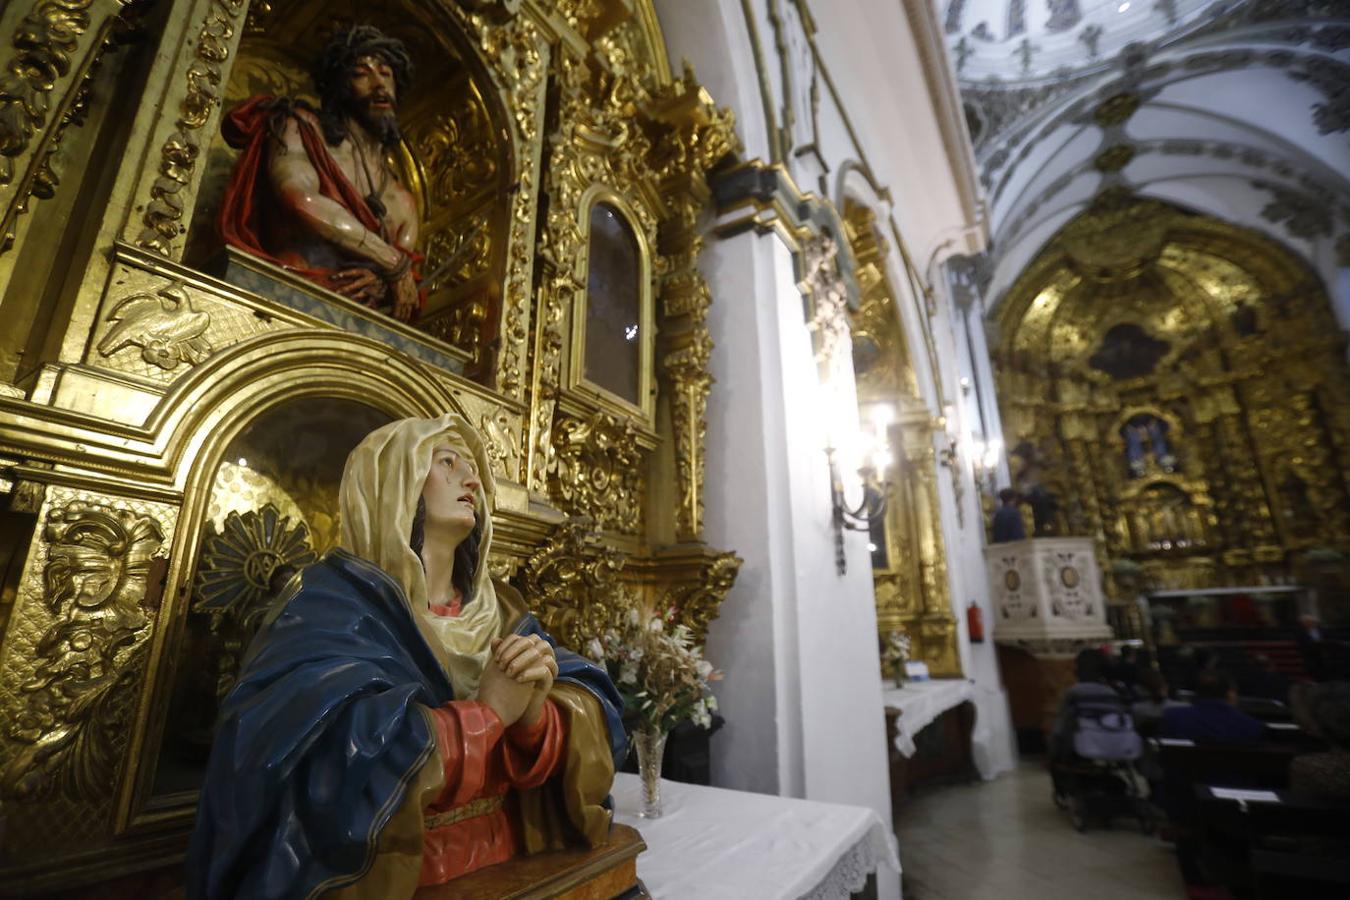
<point>173,420</point>
<point>1180,385</point>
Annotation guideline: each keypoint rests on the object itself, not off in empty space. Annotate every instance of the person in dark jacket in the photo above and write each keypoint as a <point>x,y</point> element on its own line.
<point>1214,717</point>
<point>1008,525</point>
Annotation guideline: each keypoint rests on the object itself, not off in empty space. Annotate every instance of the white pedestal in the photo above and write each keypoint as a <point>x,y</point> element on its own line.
<point>1047,594</point>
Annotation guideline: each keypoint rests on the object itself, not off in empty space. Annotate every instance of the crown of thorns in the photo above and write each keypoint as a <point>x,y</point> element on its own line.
<point>346,46</point>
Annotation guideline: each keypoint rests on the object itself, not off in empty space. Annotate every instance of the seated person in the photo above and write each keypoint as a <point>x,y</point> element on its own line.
<point>1326,775</point>
<point>1090,669</point>
<point>1124,672</point>
<point>1264,681</point>
<point>401,719</point>
<point>1214,717</point>
<point>1148,711</point>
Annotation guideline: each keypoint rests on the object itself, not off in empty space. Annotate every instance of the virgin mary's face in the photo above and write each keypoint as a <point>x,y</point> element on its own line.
<point>451,489</point>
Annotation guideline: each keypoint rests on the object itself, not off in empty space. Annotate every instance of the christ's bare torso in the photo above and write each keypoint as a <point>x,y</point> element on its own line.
<point>323,232</point>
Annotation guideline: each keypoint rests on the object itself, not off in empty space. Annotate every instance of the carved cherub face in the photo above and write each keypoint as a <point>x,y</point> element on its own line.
<point>451,489</point>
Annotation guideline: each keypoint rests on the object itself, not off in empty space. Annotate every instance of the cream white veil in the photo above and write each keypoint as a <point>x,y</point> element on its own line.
<point>380,488</point>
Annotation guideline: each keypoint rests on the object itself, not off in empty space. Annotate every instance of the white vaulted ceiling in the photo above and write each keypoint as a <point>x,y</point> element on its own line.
<point>1035,39</point>
<point>1237,108</point>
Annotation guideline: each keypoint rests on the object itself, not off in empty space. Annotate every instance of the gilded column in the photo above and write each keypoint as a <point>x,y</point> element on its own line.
<point>692,137</point>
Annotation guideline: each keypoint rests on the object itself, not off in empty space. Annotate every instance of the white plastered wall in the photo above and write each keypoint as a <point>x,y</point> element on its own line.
<point>802,697</point>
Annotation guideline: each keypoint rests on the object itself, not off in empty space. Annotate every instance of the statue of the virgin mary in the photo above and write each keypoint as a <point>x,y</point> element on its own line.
<point>400,719</point>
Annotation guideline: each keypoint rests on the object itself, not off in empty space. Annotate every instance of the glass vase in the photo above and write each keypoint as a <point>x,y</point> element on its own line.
<point>651,746</point>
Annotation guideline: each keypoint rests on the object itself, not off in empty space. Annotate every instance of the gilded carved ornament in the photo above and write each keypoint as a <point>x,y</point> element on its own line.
<point>1240,371</point>
<point>502,445</point>
<point>697,604</point>
<point>47,42</point>
<point>828,296</point>
<point>598,472</point>
<point>235,577</point>
<point>1116,109</point>
<point>912,590</point>
<point>518,59</point>
<point>74,707</point>
<point>163,325</point>
<point>572,584</point>
<point>163,218</point>
<point>695,137</point>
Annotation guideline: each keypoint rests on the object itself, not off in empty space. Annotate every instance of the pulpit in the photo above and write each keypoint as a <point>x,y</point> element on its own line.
<point>1048,605</point>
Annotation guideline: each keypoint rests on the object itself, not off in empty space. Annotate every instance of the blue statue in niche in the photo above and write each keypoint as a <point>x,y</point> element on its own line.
<point>401,719</point>
<point>1146,435</point>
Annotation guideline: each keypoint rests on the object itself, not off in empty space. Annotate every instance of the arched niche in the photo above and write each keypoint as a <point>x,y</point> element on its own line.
<point>1138,312</point>
<point>272,509</point>
<point>257,441</point>
<point>909,558</point>
<point>614,317</point>
<point>454,154</point>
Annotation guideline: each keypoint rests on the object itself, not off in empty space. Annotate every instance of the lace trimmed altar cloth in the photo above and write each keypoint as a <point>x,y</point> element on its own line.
<point>715,843</point>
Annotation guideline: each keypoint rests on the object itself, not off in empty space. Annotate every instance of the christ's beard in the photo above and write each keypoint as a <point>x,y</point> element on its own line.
<point>381,124</point>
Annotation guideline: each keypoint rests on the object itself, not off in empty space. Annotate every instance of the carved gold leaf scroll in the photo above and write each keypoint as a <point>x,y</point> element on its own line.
<point>99,561</point>
<point>599,471</point>
<point>178,156</point>
<point>571,582</point>
<point>46,39</point>
<point>697,604</point>
<point>690,136</point>
<point>517,56</point>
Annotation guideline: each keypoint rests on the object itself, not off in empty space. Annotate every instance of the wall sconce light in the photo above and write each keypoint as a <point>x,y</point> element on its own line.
<point>984,458</point>
<point>872,451</point>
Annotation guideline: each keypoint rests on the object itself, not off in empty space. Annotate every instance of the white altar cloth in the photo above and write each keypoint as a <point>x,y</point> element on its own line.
<point>713,843</point>
<point>920,702</point>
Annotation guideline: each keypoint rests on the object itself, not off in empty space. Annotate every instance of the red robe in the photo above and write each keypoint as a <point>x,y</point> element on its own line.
<point>250,201</point>
<point>483,760</point>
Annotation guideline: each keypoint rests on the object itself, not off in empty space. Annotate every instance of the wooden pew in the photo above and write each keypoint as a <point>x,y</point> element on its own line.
<point>1274,844</point>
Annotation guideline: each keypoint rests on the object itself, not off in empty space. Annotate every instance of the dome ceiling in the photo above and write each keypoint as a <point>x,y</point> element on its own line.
<point>1029,40</point>
<point>1237,109</point>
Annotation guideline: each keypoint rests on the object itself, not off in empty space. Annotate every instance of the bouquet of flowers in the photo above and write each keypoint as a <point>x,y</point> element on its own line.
<point>662,675</point>
<point>895,653</point>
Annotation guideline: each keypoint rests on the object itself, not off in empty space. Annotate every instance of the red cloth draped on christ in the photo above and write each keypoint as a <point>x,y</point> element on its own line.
<point>313,190</point>
<point>250,213</point>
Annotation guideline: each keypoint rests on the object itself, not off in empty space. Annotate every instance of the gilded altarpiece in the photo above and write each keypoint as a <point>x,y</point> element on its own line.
<point>910,563</point>
<point>1182,383</point>
<point>173,417</point>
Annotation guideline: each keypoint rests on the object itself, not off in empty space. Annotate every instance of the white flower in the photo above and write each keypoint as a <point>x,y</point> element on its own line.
<point>633,617</point>
<point>711,702</point>
<point>656,624</point>
<point>595,649</point>
<point>704,668</point>
<point>628,674</point>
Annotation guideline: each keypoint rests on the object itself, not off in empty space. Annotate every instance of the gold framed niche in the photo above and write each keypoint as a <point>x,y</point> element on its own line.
<point>909,571</point>
<point>455,154</point>
<point>338,368</point>
<point>600,198</point>
<point>272,508</point>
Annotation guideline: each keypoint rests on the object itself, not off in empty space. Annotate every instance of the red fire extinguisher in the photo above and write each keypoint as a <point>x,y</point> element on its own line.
<point>975,623</point>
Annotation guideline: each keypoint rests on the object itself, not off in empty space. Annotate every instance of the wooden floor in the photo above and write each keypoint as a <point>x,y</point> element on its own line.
<point>1005,840</point>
